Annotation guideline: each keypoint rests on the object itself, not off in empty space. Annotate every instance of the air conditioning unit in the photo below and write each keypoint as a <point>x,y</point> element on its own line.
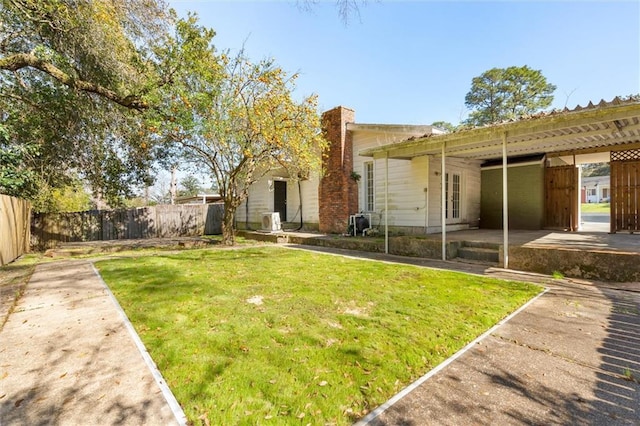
<point>271,221</point>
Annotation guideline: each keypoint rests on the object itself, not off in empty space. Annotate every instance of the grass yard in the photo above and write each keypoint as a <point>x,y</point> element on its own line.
<point>595,207</point>
<point>271,335</point>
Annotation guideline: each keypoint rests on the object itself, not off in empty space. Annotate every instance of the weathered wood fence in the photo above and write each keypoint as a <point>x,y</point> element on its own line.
<point>14,228</point>
<point>181,220</point>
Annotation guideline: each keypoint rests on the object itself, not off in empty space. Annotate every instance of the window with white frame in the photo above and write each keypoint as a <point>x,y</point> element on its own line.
<point>369,187</point>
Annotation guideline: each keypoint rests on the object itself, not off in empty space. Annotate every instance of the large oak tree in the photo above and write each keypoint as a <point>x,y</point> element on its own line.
<point>74,77</point>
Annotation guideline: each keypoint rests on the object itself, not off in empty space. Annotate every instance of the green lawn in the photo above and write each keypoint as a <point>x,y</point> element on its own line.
<point>595,207</point>
<point>277,336</point>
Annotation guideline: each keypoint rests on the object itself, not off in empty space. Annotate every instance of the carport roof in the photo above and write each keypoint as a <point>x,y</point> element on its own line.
<point>606,126</point>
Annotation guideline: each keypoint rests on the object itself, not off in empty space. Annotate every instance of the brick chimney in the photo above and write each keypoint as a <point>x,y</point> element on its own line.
<point>338,192</point>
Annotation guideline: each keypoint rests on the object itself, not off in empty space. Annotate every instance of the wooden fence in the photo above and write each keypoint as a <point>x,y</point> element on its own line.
<point>14,228</point>
<point>181,220</point>
<point>625,191</point>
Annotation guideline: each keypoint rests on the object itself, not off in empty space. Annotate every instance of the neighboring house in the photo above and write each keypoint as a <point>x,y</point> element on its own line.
<point>595,189</point>
<point>396,173</point>
<point>199,199</point>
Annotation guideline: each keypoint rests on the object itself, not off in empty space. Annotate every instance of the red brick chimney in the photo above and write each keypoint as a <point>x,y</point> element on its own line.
<point>338,191</point>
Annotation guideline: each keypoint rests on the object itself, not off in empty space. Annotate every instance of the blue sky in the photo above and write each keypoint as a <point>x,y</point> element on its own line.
<point>412,62</point>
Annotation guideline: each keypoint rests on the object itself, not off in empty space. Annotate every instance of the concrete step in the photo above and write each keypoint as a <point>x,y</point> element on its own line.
<point>479,254</point>
<point>482,244</point>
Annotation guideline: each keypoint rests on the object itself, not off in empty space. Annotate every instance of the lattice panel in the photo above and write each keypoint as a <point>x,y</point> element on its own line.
<point>631,154</point>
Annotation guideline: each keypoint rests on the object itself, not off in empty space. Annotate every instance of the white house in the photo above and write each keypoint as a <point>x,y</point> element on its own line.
<point>595,189</point>
<point>354,184</point>
<point>394,173</point>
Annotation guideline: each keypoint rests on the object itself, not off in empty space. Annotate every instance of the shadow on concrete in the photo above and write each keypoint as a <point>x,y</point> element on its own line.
<point>571,358</point>
<point>618,385</point>
<point>67,358</point>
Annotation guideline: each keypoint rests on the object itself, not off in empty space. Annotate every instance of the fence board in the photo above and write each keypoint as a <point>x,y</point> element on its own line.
<point>14,228</point>
<point>625,191</point>
<point>147,222</point>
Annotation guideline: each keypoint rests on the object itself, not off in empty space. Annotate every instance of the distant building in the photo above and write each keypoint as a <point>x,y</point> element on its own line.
<point>595,189</point>
<point>199,199</point>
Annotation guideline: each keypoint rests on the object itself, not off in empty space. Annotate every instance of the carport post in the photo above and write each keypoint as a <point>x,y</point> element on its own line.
<point>386,203</point>
<point>443,218</point>
<point>505,203</point>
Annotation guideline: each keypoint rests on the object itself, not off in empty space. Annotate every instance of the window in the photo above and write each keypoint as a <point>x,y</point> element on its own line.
<point>369,187</point>
<point>591,192</point>
<point>605,192</point>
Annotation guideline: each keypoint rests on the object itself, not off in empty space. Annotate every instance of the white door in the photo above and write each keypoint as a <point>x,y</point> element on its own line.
<point>453,197</point>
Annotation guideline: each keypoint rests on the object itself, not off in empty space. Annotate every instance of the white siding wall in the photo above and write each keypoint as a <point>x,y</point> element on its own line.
<point>261,200</point>
<point>470,174</point>
<point>408,179</point>
<point>408,203</point>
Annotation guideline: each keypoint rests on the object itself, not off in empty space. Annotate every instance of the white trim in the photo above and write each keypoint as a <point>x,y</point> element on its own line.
<point>366,188</point>
<point>404,392</point>
<point>421,129</point>
<point>181,418</point>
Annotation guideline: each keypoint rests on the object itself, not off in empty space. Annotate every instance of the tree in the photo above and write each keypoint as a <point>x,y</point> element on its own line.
<point>236,118</point>
<point>346,8</point>
<point>596,169</point>
<point>190,186</point>
<point>74,77</point>
<point>95,47</point>
<point>444,125</point>
<point>507,93</point>
<point>15,178</point>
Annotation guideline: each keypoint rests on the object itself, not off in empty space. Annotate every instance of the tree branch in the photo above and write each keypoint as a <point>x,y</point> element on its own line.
<point>25,60</point>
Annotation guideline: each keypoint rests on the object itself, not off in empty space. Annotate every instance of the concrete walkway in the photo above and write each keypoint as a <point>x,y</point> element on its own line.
<point>68,358</point>
<point>571,357</point>
<point>560,361</point>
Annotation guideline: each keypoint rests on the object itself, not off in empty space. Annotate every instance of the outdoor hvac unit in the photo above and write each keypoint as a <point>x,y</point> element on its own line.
<point>271,221</point>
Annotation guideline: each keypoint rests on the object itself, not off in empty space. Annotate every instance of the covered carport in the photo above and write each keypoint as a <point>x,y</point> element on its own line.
<point>607,127</point>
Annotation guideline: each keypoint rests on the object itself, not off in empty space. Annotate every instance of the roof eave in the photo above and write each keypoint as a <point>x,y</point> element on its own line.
<point>523,132</point>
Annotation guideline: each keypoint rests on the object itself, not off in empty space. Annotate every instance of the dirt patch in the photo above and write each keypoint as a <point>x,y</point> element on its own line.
<point>114,246</point>
<point>255,300</point>
<point>13,281</point>
<point>353,308</point>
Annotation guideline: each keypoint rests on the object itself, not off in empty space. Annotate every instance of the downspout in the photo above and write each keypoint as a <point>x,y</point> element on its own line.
<point>300,197</point>
<point>246,214</point>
